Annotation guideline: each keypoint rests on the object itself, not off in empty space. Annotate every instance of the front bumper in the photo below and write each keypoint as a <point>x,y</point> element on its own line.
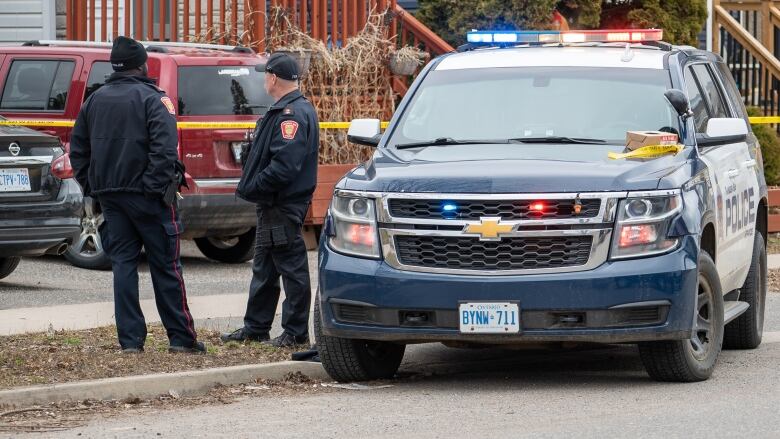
<point>37,228</point>
<point>614,302</point>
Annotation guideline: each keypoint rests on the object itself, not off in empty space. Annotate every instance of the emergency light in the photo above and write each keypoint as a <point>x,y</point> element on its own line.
<point>499,37</point>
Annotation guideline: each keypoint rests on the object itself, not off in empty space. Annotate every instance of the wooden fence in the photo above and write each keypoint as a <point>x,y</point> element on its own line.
<point>238,21</point>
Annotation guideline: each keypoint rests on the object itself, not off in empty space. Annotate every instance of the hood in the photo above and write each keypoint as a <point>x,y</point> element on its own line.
<point>510,169</point>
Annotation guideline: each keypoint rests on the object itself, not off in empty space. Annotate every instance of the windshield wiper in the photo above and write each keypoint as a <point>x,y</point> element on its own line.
<point>558,139</point>
<point>449,141</point>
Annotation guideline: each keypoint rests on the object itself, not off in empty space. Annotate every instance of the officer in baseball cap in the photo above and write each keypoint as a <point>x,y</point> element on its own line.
<point>280,174</point>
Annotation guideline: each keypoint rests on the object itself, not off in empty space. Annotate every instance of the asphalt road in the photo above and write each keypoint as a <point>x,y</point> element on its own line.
<point>50,280</point>
<point>443,392</point>
<point>489,393</point>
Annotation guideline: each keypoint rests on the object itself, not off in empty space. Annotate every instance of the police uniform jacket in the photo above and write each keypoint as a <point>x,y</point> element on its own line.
<point>281,169</point>
<point>125,138</point>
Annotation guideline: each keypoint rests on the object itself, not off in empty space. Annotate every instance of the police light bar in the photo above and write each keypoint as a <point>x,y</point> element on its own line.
<point>580,36</point>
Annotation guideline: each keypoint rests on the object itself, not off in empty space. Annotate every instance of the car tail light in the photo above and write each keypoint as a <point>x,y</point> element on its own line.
<point>61,168</point>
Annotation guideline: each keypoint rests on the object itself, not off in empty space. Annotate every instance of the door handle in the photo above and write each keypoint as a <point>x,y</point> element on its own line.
<point>749,163</point>
<point>732,173</point>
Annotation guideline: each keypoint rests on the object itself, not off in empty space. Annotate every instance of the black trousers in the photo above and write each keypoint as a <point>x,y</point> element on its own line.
<point>292,264</point>
<point>134,221</point>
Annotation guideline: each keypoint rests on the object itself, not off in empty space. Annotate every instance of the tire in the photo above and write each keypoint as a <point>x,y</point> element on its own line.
<point>745,331</point>
<point>87,251</point>
<point>349,360</point>
<point>230,250</point>
<point>7,266</point>
<point>693,359</point>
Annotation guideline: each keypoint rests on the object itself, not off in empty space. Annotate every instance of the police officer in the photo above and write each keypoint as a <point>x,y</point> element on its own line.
<point>123,151</point>
<point>280,175</point>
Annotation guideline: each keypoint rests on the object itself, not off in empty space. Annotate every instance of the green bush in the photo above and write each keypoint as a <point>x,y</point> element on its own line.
<point>682,20</point>
<point>770,148</point>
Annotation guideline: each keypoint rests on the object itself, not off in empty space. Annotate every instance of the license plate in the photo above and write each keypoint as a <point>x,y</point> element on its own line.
<point>489,318</point>
<point>14,180</point>
<point>236,147</point>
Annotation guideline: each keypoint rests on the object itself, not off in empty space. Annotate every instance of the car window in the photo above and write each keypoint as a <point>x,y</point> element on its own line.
<point>701,114</point>
<point>222,90</point>
<point>711,91</point>
<point>37,85</point>
<point>511,102</point>
<point>731,90</point>
<point>100,72</point>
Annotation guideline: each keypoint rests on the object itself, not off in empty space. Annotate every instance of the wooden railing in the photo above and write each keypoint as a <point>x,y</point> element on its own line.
<point>238,21</point>
<point>744,33</point>
<point>410,32</point>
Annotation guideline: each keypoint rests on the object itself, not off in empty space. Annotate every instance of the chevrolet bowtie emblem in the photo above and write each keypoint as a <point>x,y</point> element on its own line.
<point>488,229</point>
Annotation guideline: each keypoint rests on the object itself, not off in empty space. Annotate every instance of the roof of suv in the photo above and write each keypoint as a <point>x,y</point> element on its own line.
<point>182,53</point>
<point>612,55</point>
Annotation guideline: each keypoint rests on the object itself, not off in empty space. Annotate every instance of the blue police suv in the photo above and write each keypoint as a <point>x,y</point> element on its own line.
<point>503,205</point>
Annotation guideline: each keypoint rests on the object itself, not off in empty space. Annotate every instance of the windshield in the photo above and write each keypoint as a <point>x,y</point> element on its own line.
<point>222,90</point>
<point>538,102</point>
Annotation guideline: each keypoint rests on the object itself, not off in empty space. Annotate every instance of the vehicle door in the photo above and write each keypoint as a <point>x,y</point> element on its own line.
<point>726,164</point>
<point>39,88</point>
<point>229,92</point>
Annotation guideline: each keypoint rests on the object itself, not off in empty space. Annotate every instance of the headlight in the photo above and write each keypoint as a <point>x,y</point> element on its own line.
<point>643,224</point>
<point>354,226</point>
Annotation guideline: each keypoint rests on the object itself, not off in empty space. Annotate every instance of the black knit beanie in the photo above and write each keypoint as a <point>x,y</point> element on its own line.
<point>127,54</point>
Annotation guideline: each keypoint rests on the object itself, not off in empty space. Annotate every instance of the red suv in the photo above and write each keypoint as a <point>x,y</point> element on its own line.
<point>49,80</point>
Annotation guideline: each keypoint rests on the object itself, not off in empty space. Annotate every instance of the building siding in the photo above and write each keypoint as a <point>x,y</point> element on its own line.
<point>23,20</point>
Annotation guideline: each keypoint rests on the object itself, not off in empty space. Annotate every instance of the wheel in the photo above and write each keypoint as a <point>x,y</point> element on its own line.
<point>231,250</point>
<point>7,266</point>
<point>745,331</point>
<point>694,359</point>
<point>355,360</point>
<point>87,251</point>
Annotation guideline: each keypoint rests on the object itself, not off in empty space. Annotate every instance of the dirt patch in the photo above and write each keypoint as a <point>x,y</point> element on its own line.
<point>64,356</point>
<point>773,279</point>
<point>773,246</point>
<point>68,415</point>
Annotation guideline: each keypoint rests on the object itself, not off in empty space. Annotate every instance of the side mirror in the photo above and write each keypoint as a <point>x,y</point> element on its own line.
<point>364,132</point>
<point>723,131</point>
<point>679,101</point>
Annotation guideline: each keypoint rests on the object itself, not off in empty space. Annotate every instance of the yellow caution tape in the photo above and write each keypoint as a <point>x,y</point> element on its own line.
<point>647,152</point>
<point>182,125</point>
<point>38,123</point>
<point>764,119</point>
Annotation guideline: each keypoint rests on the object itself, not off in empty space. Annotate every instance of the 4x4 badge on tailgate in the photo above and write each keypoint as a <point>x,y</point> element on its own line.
<point>14,149</point>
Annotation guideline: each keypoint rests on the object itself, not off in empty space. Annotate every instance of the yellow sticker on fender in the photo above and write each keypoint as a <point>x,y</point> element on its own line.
<point>647,152</point>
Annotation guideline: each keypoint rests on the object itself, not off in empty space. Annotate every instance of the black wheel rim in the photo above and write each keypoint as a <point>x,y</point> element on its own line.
<point>701,342</point>
<point>223,243</point>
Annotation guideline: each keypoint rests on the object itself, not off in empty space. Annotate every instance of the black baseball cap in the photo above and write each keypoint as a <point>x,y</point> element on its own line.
<point>281,65</point>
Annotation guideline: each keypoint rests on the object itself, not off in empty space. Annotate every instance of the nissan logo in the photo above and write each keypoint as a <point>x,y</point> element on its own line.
<point>14,149</point>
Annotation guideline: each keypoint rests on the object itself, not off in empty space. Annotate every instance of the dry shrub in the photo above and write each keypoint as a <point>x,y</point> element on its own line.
<point>343,83</point>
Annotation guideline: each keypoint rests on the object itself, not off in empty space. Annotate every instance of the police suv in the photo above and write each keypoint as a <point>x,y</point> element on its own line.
<point>502,206</point>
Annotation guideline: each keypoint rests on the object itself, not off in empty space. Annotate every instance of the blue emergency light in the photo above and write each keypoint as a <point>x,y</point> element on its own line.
<point>501,37</point>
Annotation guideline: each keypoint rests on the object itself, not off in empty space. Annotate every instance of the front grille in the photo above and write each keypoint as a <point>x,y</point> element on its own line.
<point>506,209</point>
<point>516,253</point>
<point>351,313</point>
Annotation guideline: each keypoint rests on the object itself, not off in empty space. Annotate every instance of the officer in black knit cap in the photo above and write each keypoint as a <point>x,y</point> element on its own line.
<point>123,151</point>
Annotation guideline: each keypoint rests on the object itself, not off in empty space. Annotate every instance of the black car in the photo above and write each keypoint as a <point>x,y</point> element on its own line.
<point>40,202</point>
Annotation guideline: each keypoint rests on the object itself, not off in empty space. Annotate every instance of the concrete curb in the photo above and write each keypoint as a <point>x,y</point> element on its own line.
<point>149,386</point>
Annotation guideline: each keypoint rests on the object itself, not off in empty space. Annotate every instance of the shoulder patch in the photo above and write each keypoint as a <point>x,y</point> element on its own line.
<point>168,104</point>
<point>288,111</point>
<point>289,128</point>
